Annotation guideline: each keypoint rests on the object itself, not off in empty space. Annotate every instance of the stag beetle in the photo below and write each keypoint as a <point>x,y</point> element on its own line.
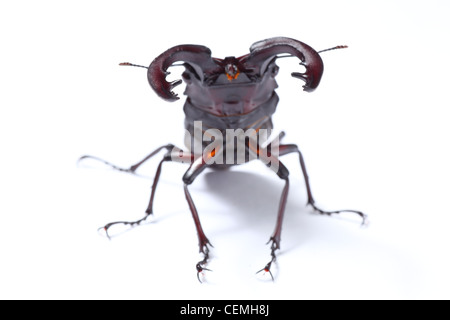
<point>225,94</point>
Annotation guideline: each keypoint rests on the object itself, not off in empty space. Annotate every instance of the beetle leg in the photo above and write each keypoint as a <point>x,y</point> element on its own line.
<point>168,147</point>
<point>271,160</point>
<point>292,148</point>
<point>168,157</point>
<point>195,169</point>
<point>134,167</point>
<point>203,241</point>
<point>276,236</point>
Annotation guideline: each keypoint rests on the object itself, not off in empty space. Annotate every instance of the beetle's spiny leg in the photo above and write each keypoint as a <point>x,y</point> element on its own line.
<point>129,170</point>
<point>292,148</point>
<point>126,223</point>
<point>168,147</point>
<point>200,266</point>
<point>329,213</point>
<point>149,210</point>
<point>194,170</point>
<point>203,240</point>
<point>134,167</point>
<point>275,240</point>
<point>267,269</point>
<point>178,157</point>
<point>274,247</point>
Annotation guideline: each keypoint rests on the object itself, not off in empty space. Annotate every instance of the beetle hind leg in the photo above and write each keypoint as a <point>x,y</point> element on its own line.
<point>329,213</point>
<point>292,148</point>
<point>126,223</point>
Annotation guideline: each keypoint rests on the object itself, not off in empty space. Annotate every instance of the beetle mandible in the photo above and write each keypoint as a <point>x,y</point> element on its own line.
<point>231,93</point>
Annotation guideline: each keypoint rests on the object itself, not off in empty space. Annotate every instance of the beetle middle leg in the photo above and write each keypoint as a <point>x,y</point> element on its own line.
<point>134,167</point>
<point>173,154</point>
<point>149,210</point>
<point>197,167</point>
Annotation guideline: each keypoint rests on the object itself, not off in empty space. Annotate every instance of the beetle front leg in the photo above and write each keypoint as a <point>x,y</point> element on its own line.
<point>196,168</point>
<point>275,239</point>
<point>203,241</point>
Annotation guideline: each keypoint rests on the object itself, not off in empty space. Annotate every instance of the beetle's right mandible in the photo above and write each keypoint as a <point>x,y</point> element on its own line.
<point>263,52</point>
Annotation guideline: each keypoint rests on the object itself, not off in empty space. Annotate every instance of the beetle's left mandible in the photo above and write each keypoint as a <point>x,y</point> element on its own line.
<point>197,57</point>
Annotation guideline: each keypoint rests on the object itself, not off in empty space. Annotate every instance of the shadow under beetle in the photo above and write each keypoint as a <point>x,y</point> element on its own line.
<point>224,94</point>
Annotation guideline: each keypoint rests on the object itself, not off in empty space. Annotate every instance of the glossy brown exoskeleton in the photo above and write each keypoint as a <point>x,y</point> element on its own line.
<point>224,94</point>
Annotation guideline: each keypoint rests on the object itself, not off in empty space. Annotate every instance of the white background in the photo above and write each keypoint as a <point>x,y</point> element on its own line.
<point>374,135</point>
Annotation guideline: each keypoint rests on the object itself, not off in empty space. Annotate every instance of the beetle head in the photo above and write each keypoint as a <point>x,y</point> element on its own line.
<point>230,71</point>
<point>231,68</point>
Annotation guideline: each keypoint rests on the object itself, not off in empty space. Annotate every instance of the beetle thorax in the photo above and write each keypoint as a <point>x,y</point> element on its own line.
<point>230,92</point>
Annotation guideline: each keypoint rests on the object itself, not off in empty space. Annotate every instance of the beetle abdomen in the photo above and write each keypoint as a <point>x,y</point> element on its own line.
<point>198,121</point>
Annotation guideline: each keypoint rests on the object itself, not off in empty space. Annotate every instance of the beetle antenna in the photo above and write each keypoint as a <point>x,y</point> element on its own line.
<point>131,65</point>
<point>334,48</point>
<point>136,65</point>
